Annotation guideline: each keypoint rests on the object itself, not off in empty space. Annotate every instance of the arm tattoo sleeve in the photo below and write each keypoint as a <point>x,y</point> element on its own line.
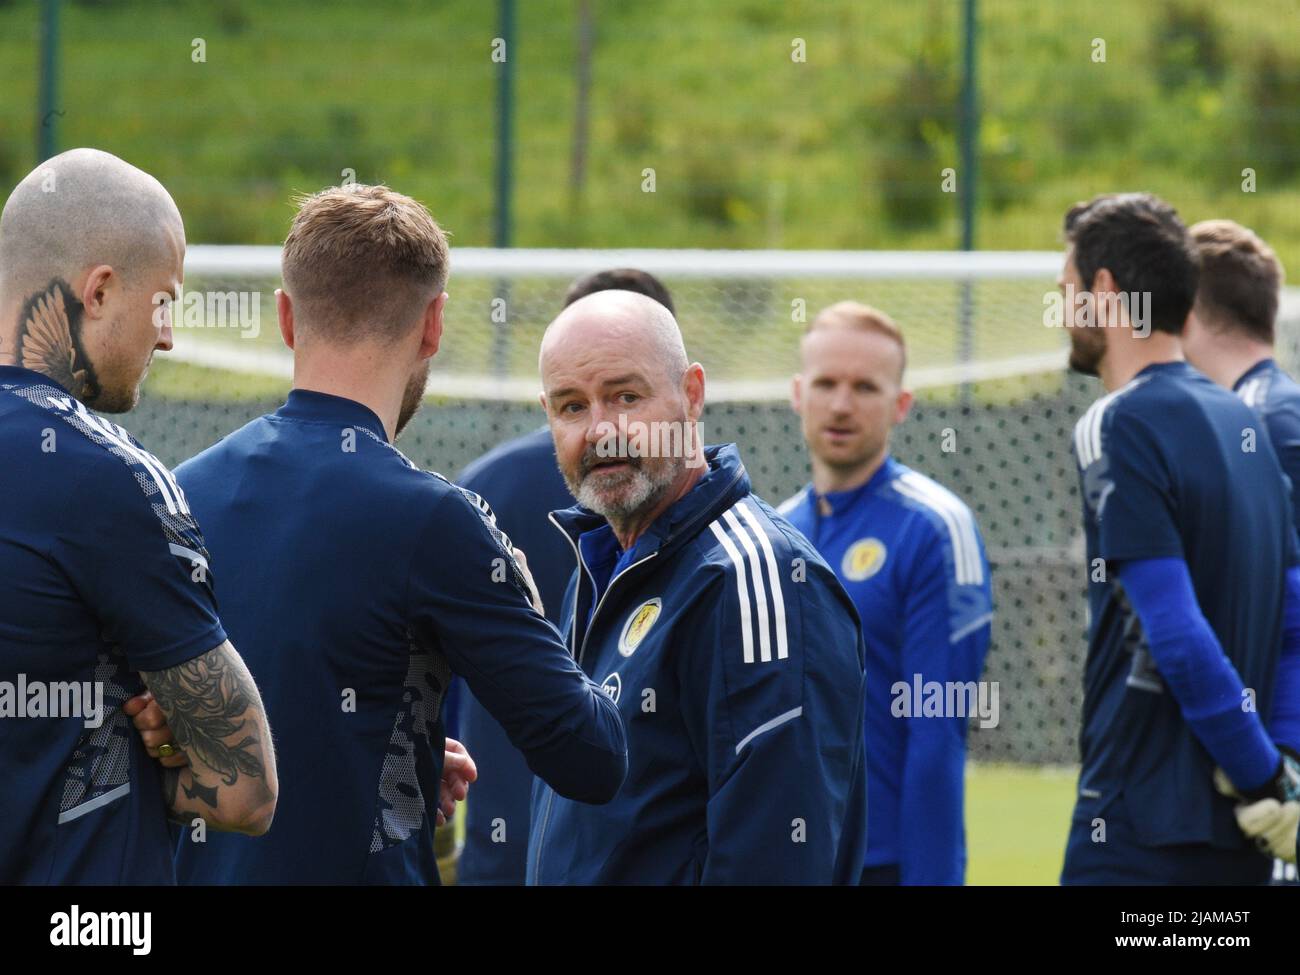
<point>171,778</point>
<point>206,702</point>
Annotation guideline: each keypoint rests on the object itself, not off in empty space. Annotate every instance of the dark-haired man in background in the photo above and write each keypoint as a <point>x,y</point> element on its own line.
<point>523,483</point>
<point>1189,541</point>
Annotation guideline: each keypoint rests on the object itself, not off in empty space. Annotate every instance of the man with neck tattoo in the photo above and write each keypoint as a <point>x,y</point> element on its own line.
<point>107,585</point>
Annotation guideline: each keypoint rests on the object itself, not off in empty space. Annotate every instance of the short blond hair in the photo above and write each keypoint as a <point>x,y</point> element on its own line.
<point>862,318</point>
<point>360,262</point>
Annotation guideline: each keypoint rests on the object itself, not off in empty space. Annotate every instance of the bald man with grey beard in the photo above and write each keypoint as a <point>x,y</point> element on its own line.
<point>106,586</point>
<point>731,650</point>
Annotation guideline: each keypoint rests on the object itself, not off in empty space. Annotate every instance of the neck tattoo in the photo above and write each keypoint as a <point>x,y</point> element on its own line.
<point>49,340</point>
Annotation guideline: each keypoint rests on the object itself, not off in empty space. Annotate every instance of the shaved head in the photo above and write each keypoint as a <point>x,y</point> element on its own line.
<point>617,319</point>
<point>623,402</point>
<point>89,248</point>
<point>81,208</point>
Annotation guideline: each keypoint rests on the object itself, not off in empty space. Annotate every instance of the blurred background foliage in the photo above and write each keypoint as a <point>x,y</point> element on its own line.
<point>750,147</point>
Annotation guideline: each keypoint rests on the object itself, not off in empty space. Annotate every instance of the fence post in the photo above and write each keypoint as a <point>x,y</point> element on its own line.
<point>968,185</point>
<point>502,236</point>
<point>47,113</point>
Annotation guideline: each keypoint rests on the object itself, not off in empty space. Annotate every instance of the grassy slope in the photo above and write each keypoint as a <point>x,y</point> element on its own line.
<point>750,149</point>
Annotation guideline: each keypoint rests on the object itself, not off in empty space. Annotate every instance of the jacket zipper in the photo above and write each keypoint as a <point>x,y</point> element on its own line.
<point>573,632</point>
<point>573,626</point>
<point>601,602</point>
<point>582,564</point>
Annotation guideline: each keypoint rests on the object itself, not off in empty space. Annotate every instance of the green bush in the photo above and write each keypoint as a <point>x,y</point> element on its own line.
<point>1186,49</point>
<point>918,122</point>
<point>1273,119</point>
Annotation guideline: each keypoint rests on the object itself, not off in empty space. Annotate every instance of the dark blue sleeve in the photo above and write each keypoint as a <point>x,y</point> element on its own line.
<point>1133,487</point>
<point>451,708</point>
<point>523,485</point>
<point>1202,679</point>
<point>1283,425</point>
<point>151,591</point>
<point>779,739</point>
<point>1284,721</point>
<point>939,646</point>
<point>467,593</point>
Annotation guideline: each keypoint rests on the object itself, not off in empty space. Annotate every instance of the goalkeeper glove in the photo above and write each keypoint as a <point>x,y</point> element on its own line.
<point>1270,815</point>
<point>1272,825</point>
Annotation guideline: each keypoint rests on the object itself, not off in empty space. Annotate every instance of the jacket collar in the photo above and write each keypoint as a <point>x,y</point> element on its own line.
<point>18,375</point>
<point>1263,365</point>
<point>841,501</point>
<point>308,404</point>
<point>723,484</point>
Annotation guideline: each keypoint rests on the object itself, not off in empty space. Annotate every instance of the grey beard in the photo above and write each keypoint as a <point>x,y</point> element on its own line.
<point>648,490</point>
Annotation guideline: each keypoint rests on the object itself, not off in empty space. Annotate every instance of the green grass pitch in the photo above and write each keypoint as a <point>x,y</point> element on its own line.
<point>1017,818</point>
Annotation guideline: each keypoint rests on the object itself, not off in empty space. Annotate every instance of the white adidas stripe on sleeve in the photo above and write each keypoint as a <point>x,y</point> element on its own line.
<point>749,534</point>
<point>958,520</point>
<point>1087,432</point>
<point>105,429</point>
<point>778,597</point>
<point>742,591</point>
<point>760,591</point>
